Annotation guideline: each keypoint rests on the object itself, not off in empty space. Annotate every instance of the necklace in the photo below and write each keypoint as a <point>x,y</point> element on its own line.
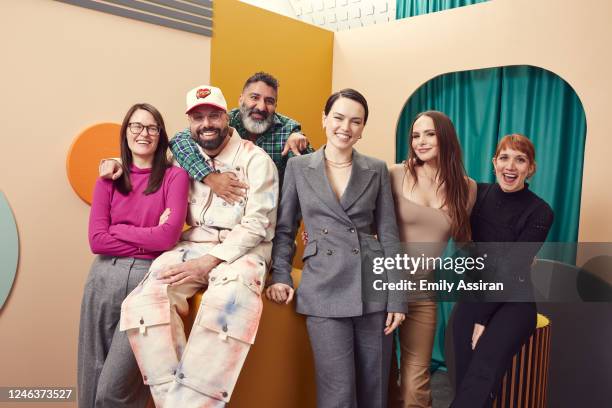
<point>339,165</point>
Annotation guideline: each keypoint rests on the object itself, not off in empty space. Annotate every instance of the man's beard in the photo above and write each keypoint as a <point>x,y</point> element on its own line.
<point>254,126</point>
<point>211,144</point>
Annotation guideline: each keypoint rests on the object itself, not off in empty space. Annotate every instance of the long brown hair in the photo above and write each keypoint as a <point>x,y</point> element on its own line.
<point>160,158</point>
<point>451,173</point>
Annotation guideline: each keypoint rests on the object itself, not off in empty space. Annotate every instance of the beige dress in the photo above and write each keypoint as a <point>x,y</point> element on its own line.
<point>418,224</point>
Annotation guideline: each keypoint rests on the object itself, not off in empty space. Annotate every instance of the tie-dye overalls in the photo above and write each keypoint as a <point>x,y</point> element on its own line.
<point>202,371</point>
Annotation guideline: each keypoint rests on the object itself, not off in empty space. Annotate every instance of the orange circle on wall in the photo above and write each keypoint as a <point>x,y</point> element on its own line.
<point>95,143</point>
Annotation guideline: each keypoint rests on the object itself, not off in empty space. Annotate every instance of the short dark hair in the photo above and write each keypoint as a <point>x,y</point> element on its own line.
<point>262,77</point>
<point>160,159</point>
<point>349,94</point>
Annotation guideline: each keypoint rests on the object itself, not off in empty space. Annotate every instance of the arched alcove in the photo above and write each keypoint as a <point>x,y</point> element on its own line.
<point>487,104</point>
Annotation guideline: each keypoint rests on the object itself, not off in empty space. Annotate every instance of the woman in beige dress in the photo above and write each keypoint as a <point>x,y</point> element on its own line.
<point>433,199</point>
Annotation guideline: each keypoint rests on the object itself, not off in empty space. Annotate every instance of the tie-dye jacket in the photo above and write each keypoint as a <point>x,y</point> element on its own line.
<point>246,227</point>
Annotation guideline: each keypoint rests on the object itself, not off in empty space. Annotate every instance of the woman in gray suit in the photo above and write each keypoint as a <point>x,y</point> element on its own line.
<point>345,200</point>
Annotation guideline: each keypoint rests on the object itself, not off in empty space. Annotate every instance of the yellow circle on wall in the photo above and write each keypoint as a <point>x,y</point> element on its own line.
<point>95,143</point>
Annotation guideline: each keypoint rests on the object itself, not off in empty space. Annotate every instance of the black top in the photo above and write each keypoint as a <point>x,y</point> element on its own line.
<point>519,216</point>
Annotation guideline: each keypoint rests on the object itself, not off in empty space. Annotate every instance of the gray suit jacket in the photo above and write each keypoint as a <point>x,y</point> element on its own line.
<point>343,237</point>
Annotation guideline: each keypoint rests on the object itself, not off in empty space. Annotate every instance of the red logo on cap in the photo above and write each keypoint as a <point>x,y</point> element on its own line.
<point>202,93</point>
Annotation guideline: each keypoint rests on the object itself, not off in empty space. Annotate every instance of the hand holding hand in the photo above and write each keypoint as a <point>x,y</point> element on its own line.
<point>280,293</point>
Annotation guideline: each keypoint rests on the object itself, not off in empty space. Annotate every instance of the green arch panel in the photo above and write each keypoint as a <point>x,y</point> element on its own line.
<point>9,249</point>
<point>486,104</point>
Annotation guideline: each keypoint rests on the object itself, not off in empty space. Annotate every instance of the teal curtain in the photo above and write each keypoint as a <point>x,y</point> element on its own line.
<point>489,103</point>
<point>411,8</point>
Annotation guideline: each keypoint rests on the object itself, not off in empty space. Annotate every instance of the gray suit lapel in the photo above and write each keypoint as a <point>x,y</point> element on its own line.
<point>317,179</point>
<point>361,175</point>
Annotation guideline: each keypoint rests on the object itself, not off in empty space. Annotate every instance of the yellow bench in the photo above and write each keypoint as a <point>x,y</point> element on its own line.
<point>525,383</point>
<point>279,371</point>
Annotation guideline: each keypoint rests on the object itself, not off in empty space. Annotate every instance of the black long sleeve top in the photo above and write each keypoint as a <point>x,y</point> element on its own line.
<point>519,216</point>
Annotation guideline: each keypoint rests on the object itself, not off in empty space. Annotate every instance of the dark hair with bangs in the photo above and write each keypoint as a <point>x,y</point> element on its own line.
<point>349,94</point>
<point>451,171</point>
<point>521,143</point>
<point>160,158</point>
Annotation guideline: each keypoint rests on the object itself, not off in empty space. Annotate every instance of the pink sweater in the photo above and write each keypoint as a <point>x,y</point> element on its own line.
<point>127,225</point>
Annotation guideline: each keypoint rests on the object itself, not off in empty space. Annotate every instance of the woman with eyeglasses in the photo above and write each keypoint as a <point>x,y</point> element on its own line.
<point>133,220</point>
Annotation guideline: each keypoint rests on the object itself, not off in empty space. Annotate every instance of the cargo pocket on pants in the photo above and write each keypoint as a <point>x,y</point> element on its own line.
<point>141,312</point>
<point>218,346</point>
<point>229,320</point>
<point>147,322</point>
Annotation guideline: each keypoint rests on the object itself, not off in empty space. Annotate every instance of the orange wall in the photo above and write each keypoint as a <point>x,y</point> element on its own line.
<point>279,371</point>
<point>248,39</point>
<point>389,62</point>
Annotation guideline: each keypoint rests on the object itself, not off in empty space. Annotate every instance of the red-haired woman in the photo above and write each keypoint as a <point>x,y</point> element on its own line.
<point>433,199</point>
<point>487,335</point>
<point>133,220</point>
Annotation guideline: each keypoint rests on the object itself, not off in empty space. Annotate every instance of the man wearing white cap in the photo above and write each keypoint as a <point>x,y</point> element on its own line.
<point>227,247</point>
<point>255,119</point>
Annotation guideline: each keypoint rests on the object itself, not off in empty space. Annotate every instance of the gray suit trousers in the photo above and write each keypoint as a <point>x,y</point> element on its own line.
<point>108,375</point>
<point>352,360</point>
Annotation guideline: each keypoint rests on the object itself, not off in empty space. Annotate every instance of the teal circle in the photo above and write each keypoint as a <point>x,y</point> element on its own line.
<point>9,249</point>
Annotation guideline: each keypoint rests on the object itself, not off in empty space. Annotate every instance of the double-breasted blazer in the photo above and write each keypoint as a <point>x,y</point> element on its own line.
<point>343,236</point>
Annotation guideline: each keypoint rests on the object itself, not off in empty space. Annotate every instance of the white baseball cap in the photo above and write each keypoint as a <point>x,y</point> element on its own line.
<point>206,95</point>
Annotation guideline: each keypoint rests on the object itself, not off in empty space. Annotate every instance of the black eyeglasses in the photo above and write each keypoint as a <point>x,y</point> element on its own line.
<point>137,127</point>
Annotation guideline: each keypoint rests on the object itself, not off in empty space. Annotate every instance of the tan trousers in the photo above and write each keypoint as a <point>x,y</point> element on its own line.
<point>203,371</point>
<point>409,387</point>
